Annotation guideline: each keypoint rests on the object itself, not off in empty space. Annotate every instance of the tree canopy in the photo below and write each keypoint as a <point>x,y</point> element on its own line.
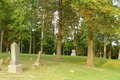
<point>89,26</point>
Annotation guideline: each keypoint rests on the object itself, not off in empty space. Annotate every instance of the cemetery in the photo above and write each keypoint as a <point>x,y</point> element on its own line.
<point>47,67</point>
<point>59,39</point>
<point>70,67</point>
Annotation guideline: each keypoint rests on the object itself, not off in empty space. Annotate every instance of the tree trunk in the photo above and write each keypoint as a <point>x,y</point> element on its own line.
<point>21,46</point>
<point>19,42</point>
<point>30,42</point>
<point>42,41</point>
<point>77,42</point>
<point>117,49</point>
<point>53,40</point>
<point>7,46</point>
<point>1,41</point>
<point>59,35</point>
<point>101,47</point>
<point>63,47</point>
<point>90,43</point>
<point>67,53</point>
<point>63,51</point>
<point>119,53</point>
<point>34,44</point>
<point>110,50</point>
<point>59,38</point>
<point>94,50</point>
<point>105,47</point>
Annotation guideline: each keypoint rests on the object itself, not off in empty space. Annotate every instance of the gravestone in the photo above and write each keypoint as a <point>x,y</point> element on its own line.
<point>73,53</point>
<point>15,66</point>
<point>38,62</point>
<point>53,53</point>
<point>1,61</point>
<point>8,58</point>
<point>31,59</point>
<point>8,51</point>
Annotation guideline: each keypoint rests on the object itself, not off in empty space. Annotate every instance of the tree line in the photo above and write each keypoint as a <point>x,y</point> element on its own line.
<point>58,26</point>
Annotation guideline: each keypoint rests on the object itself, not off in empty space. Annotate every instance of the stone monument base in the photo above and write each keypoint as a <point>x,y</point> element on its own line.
<point>37,63</point>
<point>73,54</point>
<point>15,68</point>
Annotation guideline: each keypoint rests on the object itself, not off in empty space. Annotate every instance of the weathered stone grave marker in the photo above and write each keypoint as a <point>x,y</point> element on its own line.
<point>8,58</point>
<point>15,66</point>
<point>38,62</point>
<point>1,61</point>
<point>31,59</point>
<point>53,53</point>
<point>73,53</point>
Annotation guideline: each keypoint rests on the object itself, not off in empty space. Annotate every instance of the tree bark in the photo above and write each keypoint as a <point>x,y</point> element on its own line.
<point>101,47</point>
<point>59,35</point>
<point>119,53</point>
<point>63,48</point>
<point>19,42</point>
<point>42,41</point>
<point>110,50</point>
<point>117,49</point>
<point>105,47</point>
<point>77,42</point>
<point>21,46</point>
<point>59,38</point>
<point>1,41</point>
<point>34,44</point>
<point>63,51</point>
<point>7,46</point>
<point>30,42</point>
<point>53,40</point>
<point>94,50</point>
<point>90,43</point>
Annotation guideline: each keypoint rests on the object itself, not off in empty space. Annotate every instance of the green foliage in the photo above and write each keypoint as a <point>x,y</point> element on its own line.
<point>18,18</point>
<point>68,46</point>
<point>48,44</point>
<point>81,50</point>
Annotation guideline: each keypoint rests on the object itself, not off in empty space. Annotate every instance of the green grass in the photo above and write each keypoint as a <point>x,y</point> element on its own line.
<point>69,68</point>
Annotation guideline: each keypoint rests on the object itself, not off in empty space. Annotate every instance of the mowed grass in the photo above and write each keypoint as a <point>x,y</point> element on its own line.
<point>69,68</point>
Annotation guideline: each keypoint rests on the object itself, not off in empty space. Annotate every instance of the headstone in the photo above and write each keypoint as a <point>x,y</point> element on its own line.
<point>53,53</point>
<point>31,59</point>
<point>8,58</point>
<point>8,51</point>
<point>15,66</point>
<point>73,53</point>
<point>38,62</point>
<point>1,61</point>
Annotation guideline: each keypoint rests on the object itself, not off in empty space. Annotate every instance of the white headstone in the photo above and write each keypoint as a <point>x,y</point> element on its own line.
<point>53,53</point>
<point>73,53</point>
<point>15,66</point>
<point>8,51</point>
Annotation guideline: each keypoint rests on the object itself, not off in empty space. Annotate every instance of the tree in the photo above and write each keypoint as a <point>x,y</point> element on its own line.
<point>5,12</point>
<point>66,24</point>
<point>92,11</point>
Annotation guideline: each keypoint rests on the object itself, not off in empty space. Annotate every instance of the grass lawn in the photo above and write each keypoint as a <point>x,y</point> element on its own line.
<point>69,68</point>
